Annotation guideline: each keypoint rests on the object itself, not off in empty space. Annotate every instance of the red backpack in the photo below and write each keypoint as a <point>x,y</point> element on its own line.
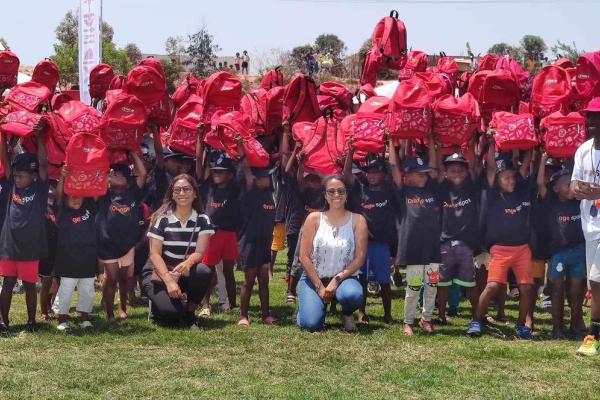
<point>146,83</point>
<point>389,36</point>
<point>300,100</point>
<point>455,120</point>
<point>551,92</point>
<point>323,144</point>
<point>221,91</point>
<point>564,63</point>
<point>189,86</point>
<point>522,77</point>
<point>78,117</point>
<point>155,64</point>
<point>514,131</point>
<point>367,131</point>
<point>437,83</point>
<point>463,82</point>
<point>20,123</point>
<point>100,78</point>
<point>57,138</point>
<point>339,92</point>
<point>254,105</point>
<point>410,110</point>
<point>88,164</point>
<point>371,66</point>
<point>495,91</point>
<point>28,96</point>
<point>377,104</point>
<point>416,61</point>
<point>116,82</point>
<point>487,63</point>
<point>274,109</point>
<point>365,92</point>
<point>9,69</point>
<point>588,75</point>
<point>272,79</point>
<point>46,73</point>
<point>563,134</point>
<point>183,133</point>
<point>123,123</point>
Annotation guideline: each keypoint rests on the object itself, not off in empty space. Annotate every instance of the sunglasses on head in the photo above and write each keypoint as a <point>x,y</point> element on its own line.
<point>339,192</point>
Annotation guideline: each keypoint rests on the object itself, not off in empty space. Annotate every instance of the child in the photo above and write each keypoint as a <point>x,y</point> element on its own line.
<point>49,283</point>
<point>566,245</point>
<point>76,262</point>
<point>459,197</point>
<point>118,227</point>
<point>418,234</point>
<point>584,184</point>
<point>23,237</point>
<point>376,202</point>
<point>506,207</point>
<point>258,211</point>
<point>220,194</point>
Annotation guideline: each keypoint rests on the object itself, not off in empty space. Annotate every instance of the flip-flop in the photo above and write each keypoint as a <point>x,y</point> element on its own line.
<point>244,322</point>
<point>269,320</point>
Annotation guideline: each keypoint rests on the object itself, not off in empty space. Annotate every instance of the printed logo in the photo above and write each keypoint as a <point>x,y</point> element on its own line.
<point>22,200</point>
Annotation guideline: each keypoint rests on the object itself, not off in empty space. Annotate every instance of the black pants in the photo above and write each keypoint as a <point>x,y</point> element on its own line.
<point>166,309</point>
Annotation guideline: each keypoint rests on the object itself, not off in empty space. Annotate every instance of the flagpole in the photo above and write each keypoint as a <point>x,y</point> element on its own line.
<point>101,10</point>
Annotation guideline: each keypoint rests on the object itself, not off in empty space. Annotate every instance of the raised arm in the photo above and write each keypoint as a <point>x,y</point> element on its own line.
<point>41,153</point>
<point>541,177</point>
<point>248,176</point>
<point>139,169</point>
<point>284,146</point>
<point>348,163</point>
<point>4,155</point>
<point>433,155</point>
<point>200,152</point>
<point>491,163</point>
<point>60,187</point>
<point>525,169</point>
<point>158,149</point>
<point>394,164</point>
<point>472,158</point>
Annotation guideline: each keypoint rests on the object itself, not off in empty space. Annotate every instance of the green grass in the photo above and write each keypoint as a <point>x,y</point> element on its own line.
<point>135,359</point>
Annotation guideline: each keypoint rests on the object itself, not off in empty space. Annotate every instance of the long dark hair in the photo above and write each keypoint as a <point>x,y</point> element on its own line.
<point>168,203</point>
<point>337,177</point>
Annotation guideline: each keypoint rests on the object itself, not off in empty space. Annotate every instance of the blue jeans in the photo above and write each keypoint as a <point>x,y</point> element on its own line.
<point>311,309</point>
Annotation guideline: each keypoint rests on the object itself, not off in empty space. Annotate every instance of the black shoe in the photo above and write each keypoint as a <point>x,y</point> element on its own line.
<point>31,327</point>
<point>3,329</point>
<point>397,279</point>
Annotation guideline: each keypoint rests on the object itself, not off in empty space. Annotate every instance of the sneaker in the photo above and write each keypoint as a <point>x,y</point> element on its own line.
<point>474,329</point>
<point>18,288</point>
<point>348,323</point>
<point>204,313</point>
<point>589,347</point>
<point>546,303</point>
<point>63,327</point>
<point>31,327</point>
<point>514,293</point>
<point>86,325</point>
<point>3,328</point>
<point>524,332</point>
<point>291,299</point>
<point>373,288</point>
<point>397,279</point>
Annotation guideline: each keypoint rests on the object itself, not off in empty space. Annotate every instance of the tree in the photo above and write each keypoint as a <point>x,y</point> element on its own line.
<point>505,49</point>
<point>202,51</point>
<point>67,30</point>
<point>569,51</point>
<point>174,46</point>
<point>330,44</point>
<point>116,58</point>
<point>134,54</point>
<point>533,47</point>
<point>173,71</point>
<point>298,57</point>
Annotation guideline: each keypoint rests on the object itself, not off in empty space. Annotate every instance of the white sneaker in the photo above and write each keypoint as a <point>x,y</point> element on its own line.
<point>64,327</point>
<point>348,323</point>
<point>86,325</point>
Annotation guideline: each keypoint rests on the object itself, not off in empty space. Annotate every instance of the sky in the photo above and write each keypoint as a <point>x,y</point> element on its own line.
<point>261,25</point>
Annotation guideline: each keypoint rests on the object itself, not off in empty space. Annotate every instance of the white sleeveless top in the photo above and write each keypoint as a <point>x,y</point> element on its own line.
<point>333,248</point>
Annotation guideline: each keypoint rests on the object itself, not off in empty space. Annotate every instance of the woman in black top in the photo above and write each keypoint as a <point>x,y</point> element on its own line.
<point>174,280</point>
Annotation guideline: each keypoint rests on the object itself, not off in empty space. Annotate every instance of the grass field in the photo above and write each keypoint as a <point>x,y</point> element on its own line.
<point>135,359</point>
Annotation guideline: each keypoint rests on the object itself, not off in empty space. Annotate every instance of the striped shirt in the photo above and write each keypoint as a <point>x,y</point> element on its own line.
<point>175,237</point>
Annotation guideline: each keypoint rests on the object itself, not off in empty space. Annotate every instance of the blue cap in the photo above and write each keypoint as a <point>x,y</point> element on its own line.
<point>415,164</point>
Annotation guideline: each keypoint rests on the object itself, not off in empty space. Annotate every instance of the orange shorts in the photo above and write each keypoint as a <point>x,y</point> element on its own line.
<point>538,268</point>
<point>27,271</point>
<point>517,258</point>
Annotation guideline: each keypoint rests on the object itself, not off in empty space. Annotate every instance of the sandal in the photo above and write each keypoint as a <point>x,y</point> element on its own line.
<point>291,299</point>
<point>269,320</point>
<point>244,322</point>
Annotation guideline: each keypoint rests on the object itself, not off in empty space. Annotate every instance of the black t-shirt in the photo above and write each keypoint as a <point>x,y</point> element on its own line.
<point>4,189</point>
<point>76,252</point>
<point>300,204</point>
<point>118,222</point>
<point>23,236</point>
<point>563,223</point>
<point>258,211</point>
<point>222,205</point>
<point>279,195</point>
<point>379,208</point>
<point>507,215</point>
<point>460,213</point>
<point>420,225</point>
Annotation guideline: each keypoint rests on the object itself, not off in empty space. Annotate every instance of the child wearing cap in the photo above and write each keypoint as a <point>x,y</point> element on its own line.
<point>506,206</point>
<point>221,196</point>
<point>418,233</point>
<point>585,184</point>
<point>459,198</point>
<point>76,261</point>
<point>566,245</point>
<point>23,237</point>
<point>117,231</point>
<point>256,234</point>
<point>376,202</point>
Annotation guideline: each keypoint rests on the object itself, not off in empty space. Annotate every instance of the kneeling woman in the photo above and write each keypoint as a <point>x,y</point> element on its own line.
<point>174,280</point>
<point>332,250</point>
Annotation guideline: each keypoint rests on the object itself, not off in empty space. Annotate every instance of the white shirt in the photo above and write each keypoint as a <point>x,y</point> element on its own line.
<point>587,169</point>
<point>333,248</point>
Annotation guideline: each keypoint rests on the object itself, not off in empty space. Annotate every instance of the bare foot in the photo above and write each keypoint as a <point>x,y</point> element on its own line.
<point>123,314</point>
<point>363,318</point>
<point>408,330</point>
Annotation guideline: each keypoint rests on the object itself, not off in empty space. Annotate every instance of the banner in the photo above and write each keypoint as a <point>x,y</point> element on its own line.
<point>90,44</point>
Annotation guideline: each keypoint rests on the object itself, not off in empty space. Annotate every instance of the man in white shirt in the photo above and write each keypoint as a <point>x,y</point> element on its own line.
<point>585,185</point>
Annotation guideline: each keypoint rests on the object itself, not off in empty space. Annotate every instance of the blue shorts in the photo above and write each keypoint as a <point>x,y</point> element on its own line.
<point>568,262</point>
<point>377,264</point>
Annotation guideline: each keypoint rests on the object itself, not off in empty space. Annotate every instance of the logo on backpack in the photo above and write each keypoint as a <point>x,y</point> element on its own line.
<point>128,110</point>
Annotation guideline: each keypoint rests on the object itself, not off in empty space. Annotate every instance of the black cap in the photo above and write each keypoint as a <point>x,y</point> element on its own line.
<point>168,153</point>
<point>456,158</point>
<point>553,162</point>
<point>374,162</point>
<point>122,169</point>
<point>557,175</point>
<point>262,172</point>
<point>218,161</point>
<point>25,162</point>
<point>504,164</point>
<point>415,164</point>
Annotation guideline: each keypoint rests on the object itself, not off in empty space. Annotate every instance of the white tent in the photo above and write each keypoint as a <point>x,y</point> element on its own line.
<point>22,78</point>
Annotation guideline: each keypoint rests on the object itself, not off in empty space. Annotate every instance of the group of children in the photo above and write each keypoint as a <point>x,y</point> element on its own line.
<point>514,213</point>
